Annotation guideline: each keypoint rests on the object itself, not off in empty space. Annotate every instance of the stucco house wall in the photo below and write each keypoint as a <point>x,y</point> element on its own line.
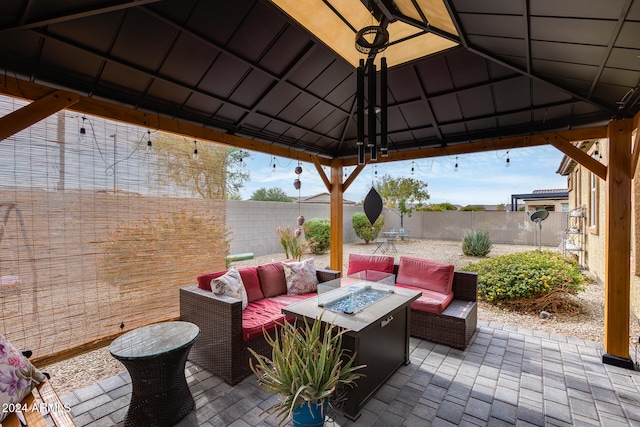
<point>580,182</point>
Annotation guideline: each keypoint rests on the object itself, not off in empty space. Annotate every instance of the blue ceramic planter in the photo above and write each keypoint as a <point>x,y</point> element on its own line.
<point>307,415</point>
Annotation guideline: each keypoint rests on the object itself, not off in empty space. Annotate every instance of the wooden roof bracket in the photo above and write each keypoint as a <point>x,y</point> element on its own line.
<point>578,155</point>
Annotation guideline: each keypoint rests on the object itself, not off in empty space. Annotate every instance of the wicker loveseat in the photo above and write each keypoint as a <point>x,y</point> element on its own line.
<point>226,330</point>
<point>447,311</point>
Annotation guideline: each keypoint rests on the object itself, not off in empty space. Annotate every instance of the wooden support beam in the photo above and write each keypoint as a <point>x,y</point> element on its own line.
<point>323,175</point>
<point>32,91</point>
<point>490,145</point>
<point>617,281</point>
<point>634,146</point>
<point>337,217</point>
<point>38,110</point>
<point>564,145</point>
<point>352,176</point>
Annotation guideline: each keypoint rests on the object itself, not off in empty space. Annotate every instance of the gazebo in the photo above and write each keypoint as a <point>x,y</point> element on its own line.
<point>298,79</point>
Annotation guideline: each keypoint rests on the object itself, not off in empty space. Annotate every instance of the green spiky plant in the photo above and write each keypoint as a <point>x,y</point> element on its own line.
<point>307,365</point>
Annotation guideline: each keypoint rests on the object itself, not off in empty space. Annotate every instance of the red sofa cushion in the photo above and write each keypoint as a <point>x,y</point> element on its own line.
<point>266,314</point>
<point>362,262</point>
<point>425,274</point>
<point>249,277</point>
<point>431,301</point>
<point>272,280</point>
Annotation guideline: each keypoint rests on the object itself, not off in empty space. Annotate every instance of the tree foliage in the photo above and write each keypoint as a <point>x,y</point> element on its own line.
<point>216,173</point>
<point>438,207</point>
<point>274,194</point>
<point>403,194</point>
<point>363,228</point>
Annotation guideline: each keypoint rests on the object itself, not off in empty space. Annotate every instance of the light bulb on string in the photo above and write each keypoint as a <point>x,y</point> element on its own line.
<point>83,131</point>
<point>149,143</point>
<point>412,167</point>
<point>195,150</point>
<point>508,161</point>
<point>456,166</point>
<point>273,169</point>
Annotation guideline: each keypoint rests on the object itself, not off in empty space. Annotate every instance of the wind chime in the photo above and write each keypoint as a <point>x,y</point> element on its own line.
<point>371,41</point>
<point>297,185</point>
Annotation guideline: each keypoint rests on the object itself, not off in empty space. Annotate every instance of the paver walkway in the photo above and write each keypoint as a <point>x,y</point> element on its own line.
<point>506,376</point>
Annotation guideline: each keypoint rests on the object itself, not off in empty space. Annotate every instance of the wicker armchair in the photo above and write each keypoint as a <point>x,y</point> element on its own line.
<point>220,348</point>
<point>457,323</point>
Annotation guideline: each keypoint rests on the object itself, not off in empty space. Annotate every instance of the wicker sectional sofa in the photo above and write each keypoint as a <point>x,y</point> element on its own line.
<point>226,330</point>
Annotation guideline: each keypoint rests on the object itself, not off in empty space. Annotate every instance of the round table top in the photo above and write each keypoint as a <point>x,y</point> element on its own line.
<point>153,340</point>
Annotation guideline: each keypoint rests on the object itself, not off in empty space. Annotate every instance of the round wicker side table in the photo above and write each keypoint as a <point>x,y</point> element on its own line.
<point>155,356</point>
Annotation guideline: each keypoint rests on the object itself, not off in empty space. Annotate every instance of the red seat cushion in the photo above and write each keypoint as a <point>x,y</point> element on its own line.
<point>425,274</point>
<point>272,279</point>
<point>249,277</point>
<point>266,314</point>
<point>431,301</point>
<point>363,262</point>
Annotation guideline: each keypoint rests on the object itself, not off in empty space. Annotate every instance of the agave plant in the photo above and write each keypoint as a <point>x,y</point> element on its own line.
<point>307,366</point>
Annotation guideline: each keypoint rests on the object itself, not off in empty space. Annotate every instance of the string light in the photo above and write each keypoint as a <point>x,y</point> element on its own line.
<point>508,161</point>
<point>83,131</point>
<point>596,153</point>
<point>195,150</point>
<point>456,167</point>
<point>149,143</point>
<point>274,164</point>
<point>412,167</point>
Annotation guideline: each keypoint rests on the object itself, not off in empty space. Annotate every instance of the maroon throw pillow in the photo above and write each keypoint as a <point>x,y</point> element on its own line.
<point>251,283</point>
<point>272,280</point>
<point>204,280</point>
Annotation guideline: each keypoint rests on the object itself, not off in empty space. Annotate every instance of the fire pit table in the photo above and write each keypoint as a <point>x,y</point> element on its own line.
<point>376,317</point>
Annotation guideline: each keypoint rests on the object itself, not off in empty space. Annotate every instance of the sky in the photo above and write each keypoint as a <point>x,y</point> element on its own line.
<point>481,178</point>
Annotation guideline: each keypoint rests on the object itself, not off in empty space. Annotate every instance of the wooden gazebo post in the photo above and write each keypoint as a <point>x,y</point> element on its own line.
<point>618,245</point>
<point>337,215</point>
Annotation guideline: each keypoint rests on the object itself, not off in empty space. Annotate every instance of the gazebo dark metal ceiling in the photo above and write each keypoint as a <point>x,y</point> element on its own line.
<point>245,68</point>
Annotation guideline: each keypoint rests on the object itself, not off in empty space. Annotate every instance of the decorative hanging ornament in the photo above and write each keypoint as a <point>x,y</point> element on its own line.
<point>298,232</point>
<point>297,184</point>
<point>373,205</point>
<point>298,170</point>
<point>300,221</point>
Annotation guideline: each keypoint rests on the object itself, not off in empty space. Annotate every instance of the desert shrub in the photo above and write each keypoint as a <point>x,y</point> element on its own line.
<point>294,247</point>
<point>529,281</point>
<point>363,228</point>
<point>318,229</point>
<point>476,243</point>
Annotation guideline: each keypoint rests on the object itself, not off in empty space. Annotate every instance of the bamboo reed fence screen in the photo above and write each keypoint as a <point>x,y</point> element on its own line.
<point>96,234</point>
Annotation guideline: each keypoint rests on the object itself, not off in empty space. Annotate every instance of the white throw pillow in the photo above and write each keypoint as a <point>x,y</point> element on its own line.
<point>230,284</point>
<point>300,277</point>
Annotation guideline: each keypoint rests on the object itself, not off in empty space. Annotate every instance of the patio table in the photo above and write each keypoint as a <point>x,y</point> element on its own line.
<point>155,356</point>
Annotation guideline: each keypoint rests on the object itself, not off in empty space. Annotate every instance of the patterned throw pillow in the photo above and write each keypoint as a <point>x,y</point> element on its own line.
<point>17,376</point>
<point>230,284</point>
<point>300,276</point>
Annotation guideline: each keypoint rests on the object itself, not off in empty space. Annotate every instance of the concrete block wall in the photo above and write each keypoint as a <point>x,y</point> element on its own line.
<point>253,224</point>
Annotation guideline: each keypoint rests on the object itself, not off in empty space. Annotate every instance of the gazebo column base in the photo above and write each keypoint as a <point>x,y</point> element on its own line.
<point>620,362</point>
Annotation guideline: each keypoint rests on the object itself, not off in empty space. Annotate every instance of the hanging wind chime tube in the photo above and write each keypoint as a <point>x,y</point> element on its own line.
<point>372,109</point>
<point>383,106</point>
<point>360,110</point>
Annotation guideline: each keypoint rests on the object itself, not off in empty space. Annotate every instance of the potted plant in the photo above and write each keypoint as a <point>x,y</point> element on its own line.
<point>307,366</point>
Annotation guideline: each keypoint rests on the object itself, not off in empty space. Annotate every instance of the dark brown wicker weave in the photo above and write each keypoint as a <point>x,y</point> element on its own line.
<point>220,348</point>
<point>160,394</point>
<point>457,323</point>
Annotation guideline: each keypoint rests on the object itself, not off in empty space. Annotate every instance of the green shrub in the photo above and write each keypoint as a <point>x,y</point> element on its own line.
<point>363,228</point>
<point>476,243</point>
<point>530,274</point>
<point>319,230</point>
